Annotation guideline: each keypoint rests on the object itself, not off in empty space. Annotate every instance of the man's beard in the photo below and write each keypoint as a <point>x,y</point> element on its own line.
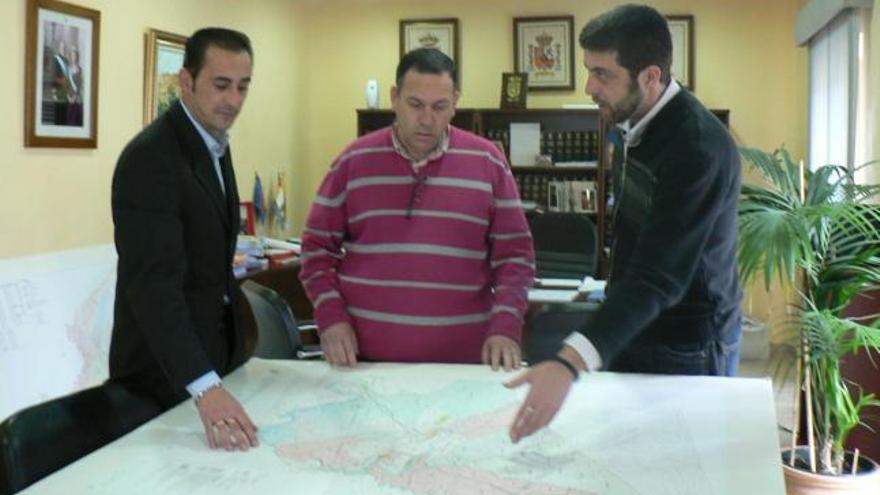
<point>625,108</point>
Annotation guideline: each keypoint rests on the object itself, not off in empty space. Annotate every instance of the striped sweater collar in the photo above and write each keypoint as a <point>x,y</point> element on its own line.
<point>439,151</point>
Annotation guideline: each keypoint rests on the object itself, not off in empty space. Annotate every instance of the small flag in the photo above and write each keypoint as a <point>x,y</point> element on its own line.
<point>279,205</point>
<point>259,202</point>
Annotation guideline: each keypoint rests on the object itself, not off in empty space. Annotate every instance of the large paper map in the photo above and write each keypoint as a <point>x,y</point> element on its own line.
<point>56,315</point>
<point>442,429</point>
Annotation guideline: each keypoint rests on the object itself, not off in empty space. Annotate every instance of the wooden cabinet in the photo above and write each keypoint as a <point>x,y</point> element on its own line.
<point>572,137</point>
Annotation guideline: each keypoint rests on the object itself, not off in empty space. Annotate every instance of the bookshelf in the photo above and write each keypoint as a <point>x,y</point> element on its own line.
<point>572,137</point>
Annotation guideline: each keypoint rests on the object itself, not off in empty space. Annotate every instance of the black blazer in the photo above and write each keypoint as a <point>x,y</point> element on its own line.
<point>175,234</point>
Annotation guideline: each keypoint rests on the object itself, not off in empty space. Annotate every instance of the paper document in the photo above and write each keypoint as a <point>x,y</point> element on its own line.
<point>525,144</point>
<point>552,295</point>
<point>589,284</point>
<point>558,283</point>
<point>279,244</point>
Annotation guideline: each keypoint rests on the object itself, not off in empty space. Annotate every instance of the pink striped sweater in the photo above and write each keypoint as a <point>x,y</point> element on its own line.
<point>424,265</point>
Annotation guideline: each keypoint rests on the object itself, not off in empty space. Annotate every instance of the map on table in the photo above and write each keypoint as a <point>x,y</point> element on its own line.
<point>56,317</point>
<point>443,429</point>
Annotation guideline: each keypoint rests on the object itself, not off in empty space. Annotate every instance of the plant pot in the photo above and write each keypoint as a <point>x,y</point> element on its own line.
<point>800,481</point>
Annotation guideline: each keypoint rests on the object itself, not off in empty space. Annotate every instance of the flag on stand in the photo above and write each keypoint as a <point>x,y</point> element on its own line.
<point>279,205</point>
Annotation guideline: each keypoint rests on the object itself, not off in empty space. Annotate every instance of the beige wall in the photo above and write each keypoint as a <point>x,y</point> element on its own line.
<point>746,61</point>
<point>313,58</point>
<point>56,199</point>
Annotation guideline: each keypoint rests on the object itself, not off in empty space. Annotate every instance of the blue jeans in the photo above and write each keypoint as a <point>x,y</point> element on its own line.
<point>717,358</point>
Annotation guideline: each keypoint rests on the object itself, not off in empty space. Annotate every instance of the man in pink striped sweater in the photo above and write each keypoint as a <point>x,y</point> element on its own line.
<point>416,248</point>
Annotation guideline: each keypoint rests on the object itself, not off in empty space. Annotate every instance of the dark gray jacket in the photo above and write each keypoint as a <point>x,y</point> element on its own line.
<point>674,277</point>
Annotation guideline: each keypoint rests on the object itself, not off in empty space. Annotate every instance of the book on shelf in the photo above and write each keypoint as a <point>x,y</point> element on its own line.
<point>577,164</point>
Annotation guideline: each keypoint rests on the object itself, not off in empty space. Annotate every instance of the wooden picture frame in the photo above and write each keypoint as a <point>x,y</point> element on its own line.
<point>544,49</point>
<point>441,34</point>
<point>61,75</point>
<point>681,27</point>
<point>163,58</point>
<point>514,89</point>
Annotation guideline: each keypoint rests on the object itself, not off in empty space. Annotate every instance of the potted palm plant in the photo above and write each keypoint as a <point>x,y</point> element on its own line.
<point>817,231</point>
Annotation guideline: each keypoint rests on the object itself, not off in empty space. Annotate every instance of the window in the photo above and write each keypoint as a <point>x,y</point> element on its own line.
<point>838,90</point>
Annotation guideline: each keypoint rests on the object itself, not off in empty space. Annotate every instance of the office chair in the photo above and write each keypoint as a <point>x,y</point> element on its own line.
<point>278,335</point>
<point>41,439</point>
<point>566,245</point>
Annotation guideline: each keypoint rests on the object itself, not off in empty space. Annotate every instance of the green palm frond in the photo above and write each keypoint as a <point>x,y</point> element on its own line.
<point>836,413</point>
<point>825,228</point>
<point>831,234</point>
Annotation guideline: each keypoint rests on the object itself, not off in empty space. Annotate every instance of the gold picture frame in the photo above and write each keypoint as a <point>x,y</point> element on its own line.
<point>681,27</point>
<point>163,58</point>
<point>61,75</point>
<point>543,47</point>
<point>441,34</point>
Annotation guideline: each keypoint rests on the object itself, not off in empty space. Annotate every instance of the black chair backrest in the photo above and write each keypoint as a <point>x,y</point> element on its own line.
<point>277,332</point>
<point>41,439</point>
<point>566,245</point>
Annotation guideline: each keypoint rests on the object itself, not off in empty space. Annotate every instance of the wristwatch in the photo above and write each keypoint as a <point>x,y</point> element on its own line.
<point>198,396</point>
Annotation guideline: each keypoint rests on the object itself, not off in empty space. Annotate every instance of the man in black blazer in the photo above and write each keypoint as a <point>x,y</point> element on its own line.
<point>175,211</point>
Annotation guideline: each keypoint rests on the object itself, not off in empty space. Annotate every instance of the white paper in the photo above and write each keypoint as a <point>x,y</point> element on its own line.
<point>525,143</point>
<point>441,428</point>
<point>558,283</point>
<point>590,284</point>
<point>552,295</point>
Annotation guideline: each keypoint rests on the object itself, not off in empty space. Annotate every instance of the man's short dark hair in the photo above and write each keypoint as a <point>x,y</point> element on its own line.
<point>638,33</point>
<point>227,39</point>
<point>426,61</point>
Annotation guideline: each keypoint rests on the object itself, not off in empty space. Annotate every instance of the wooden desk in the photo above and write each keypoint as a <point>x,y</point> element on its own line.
<point>431,429</point>
<point>285,281</point>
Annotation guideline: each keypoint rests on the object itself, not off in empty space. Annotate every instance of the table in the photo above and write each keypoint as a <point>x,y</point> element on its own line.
<point>430,429</point>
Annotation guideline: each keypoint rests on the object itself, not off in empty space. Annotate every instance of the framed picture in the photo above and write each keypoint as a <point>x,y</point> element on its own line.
<point>61,75</point>
<point>544,49</point>
<point>163,58</point>
<point>583,196</point>
<point>441,34</point>
<point>514,89</point>
<point>682,29</point>
<point>247,218</point>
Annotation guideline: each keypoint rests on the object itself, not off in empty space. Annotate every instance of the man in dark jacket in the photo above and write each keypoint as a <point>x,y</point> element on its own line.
<point>673,298</point>
<point>175,210</point>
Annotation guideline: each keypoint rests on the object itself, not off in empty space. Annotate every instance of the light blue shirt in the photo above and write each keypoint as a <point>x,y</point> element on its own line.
<point>216,148</point>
